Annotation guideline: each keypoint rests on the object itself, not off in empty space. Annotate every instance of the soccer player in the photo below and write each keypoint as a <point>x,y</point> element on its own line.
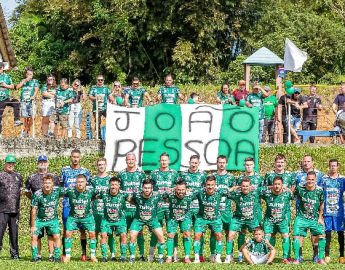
<point>68,180</point>
<point>258,250</point>
<point>163,180</point>
<point>33,184</point>
<point>278,204</point>
<point>195,180</point>
<point>135,95</point>
<point>80,215</point>
<point>256,181</point>
<point>100,183</point>
<point>225,180</point>
<point>309,216</point>
<point>114,220</point>
<point>29,89</point>
<point>131,180</point>
<point>246,200</point>
<point>44,215</point>
<point>169,93</point>
<point>333,185</point>
<point>146,204</point>
<point>180,215</point>
<point>209,216</point>
<point>301,176</point>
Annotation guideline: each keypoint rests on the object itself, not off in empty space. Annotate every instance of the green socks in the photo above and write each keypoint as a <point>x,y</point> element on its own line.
<point>202,241</point>
<point>187,245</point>
<point>229,247</point>
<point>161,247</point>
<point>111,244</point>
<point>57,253</point>
<point>170,246</point>
<point>93,244</point>
<point>141,244</point>
<point>213,244</point>
<point>240,240</point>
<point>123,250</point>
<point>296,247</point>
<point>68,246</point>
<point>132,249</point>
<point>219,246</point>
<point>104,250</point>
<point>321,249</point>
<point>197,247</point>
<point>286,247</point>
<point>34,252</point>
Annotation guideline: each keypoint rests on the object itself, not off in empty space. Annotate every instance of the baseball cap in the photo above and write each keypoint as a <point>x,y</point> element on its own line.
<point>297,90</point>
<point>267,88</point>
<point>10,158</point>
<point>42,158</point>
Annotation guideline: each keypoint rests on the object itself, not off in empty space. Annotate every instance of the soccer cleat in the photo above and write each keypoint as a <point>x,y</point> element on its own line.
<point>316,259</point>
<point>104,259</point>
<point>93,259</point>
<point>122,259</point>
<point>51,258</point>
<point>201,258</point>
<point>151,258</point>
<point>229,259</point>
<point>37,259</point>
<point>285,261</point>
<point>341,260</point>
<point>296,262</point>
<point>187,260</point>
<point>218,260</point>
<point>301,260</point>
<point>57,260</point>
<point>113,259</point>
<point>240,258</point>
<point>131,260</point>
<point>160,260</point>
<point>212,257</point>
<point>168,260</point>
<point>15,257</point>
<point>196,261</point>
<point>67,259</point>
<point>176,259</point>
<point>142,258</point>
<point>321,262</point>
<point>17,123</point>
<point>83,258</point>
<point>327,259</point>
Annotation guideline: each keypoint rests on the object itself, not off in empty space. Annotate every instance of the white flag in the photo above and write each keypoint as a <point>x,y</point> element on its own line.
<point>294,58</point>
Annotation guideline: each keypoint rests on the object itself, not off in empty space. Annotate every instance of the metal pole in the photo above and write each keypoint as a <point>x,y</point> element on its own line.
<point>289,123</point>
<point>97,119</point>
<point>33,118</point>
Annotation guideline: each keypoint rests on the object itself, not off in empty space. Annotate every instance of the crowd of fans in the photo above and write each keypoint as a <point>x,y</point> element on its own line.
<point>61,108</point>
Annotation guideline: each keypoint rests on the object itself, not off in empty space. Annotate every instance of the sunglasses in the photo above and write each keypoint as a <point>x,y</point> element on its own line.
<point>77,85</point>
<point>100,80</point>
<point>117,85</point>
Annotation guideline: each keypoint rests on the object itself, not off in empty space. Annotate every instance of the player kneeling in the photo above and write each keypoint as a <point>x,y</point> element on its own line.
<point>44,216</point>
<point>114,220</point>
<point>258,250</point>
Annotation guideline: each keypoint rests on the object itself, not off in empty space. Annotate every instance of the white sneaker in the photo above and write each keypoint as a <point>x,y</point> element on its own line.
<point>229,259</point>
<point>151,258</point>
<point>212,258</point>
<point>196,261</point>
<point>218,260</point>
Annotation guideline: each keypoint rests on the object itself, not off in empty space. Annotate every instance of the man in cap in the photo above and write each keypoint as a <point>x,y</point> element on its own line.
<point>33,184</point>
<point>6,85</point>
<point>10,185</point>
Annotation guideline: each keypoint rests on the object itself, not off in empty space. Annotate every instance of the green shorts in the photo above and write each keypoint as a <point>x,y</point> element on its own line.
<point>238,225</point>
<point>301,226</point>
<point>87,223</point>
<point>98,220</point>
<point>215,225</point>
<point>51,226</point>
<point>162,214</point>
<point>129,218</point>
<point>185,225</point>
<point>137,225</point>
<point>226,219</point>
<point>281,227</point>
<point>110,227</point>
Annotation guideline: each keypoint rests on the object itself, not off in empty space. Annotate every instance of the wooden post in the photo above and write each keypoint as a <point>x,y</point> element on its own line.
<point>279,83</point>
<point>247,75</point>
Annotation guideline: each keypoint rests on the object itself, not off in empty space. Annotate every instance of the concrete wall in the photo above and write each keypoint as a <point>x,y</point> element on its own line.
<point>51,147</point>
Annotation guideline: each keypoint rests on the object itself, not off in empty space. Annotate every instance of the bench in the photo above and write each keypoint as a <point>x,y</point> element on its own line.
<point>305,134</point>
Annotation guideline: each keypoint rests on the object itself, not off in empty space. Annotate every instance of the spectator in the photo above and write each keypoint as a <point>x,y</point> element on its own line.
<point>339,99</point>
<point>63,99</point>
<point>169,93</point>
<point>48,92</point>
<point>194,98</point>
<point>295,101</point>
<point>256,99</point>
<point>340,123</point>
<point>29,89</point>
<point>241,92</point>
<point>311,104</point>
<point>224,96</point>
<point>76,112</point>
<point>270,105</point>
<point>135,95</point>
<point>10,185</point>
<point>99,95</point>
<point>5,99</point>
<point>117,93</point>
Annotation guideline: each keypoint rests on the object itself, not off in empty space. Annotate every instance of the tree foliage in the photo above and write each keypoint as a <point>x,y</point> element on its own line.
<point>199,41</point>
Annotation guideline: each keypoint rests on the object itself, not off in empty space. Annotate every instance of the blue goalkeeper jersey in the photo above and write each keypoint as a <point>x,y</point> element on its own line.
<point>68,179</point>
<point>301,177</point>
<point>333,189</point>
